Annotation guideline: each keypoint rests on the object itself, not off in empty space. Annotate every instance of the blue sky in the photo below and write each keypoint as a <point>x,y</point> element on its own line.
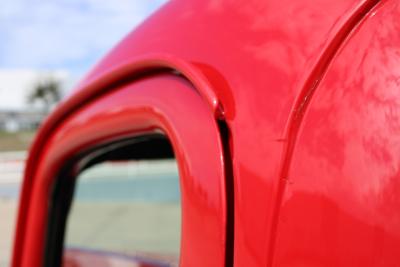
<point>65,34</point>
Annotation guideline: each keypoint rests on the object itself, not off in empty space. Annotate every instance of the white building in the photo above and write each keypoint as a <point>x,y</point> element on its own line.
<point>15,86</point>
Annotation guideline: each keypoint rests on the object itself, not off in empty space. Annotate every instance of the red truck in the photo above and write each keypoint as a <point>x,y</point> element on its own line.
<point>283,117</point>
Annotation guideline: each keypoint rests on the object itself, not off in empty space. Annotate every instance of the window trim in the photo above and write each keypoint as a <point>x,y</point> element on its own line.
<point>64,186</point>
<point>162,103</point>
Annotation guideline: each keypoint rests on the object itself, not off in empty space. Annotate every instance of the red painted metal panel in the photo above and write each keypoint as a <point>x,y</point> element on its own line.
<point>163,103</point>
<point>258,56</point>
<point>341,201</point>
<point>256,64</point>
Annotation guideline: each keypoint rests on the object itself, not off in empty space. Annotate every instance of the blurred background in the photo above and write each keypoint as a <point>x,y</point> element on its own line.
<point>46,47</point>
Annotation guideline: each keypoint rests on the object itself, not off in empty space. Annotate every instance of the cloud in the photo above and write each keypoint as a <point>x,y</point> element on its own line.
<point>65,34</point>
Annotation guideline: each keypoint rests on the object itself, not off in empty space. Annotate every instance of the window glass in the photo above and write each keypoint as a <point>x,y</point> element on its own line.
<point>125,212</point>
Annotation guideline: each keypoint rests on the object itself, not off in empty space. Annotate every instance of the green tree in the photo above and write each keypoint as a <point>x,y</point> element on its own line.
<point>47,93</point>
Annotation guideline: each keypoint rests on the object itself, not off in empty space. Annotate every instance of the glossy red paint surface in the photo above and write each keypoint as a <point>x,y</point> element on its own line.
<point>341,205</point>
<point>308,90</point>
<point>258,57</point>
<point>164,103</point>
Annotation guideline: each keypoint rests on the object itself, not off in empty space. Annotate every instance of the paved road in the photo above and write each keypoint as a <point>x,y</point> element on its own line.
<point>11,168</point>
<point>7,222</point>
<point>149,224</point>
